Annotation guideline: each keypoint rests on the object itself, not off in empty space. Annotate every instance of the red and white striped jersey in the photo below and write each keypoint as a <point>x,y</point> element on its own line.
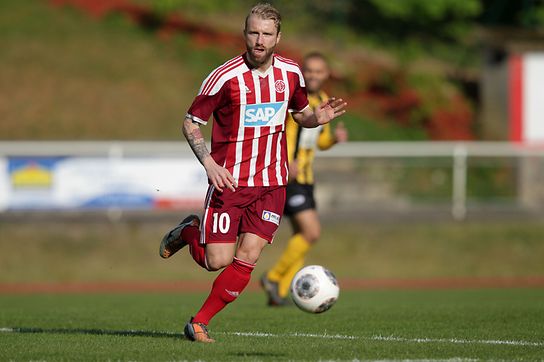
<point>250,108</point>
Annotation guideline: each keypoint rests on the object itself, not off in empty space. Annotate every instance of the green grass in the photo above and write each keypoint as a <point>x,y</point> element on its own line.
<point>102,327</point>
<point>452,323</point>
<point>73,251</point>
<point>68,76</point>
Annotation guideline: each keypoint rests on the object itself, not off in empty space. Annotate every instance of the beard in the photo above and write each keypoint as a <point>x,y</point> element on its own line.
<point>257,57</point>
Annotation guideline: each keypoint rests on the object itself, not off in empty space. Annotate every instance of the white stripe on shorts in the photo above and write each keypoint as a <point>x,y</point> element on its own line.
<point>209,194</point>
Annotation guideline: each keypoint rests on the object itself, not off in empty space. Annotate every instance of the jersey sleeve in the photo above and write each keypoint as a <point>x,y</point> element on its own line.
<point>205,104</point>
<point>299,99</point>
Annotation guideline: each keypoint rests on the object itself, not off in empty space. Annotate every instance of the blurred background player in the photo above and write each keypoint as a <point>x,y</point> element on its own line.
<point>300,204</point>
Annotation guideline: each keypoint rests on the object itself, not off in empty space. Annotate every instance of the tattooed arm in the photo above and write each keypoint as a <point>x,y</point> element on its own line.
<point>191,131</point>
<point>219,176</point>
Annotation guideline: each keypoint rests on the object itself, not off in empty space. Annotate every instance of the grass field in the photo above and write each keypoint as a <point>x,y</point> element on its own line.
<point>402,324</point>
<point>91,79</point>
<point>61,252</point>
<point>385,325</point>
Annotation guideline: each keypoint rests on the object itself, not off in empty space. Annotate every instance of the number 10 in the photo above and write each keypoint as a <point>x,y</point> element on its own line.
<point>222,221</point>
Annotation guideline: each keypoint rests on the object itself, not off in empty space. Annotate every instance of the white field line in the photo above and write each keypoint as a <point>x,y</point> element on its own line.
<point>371,338</point>
<point>458,341</point>
<point>303,335</point>
<point>392,339</point>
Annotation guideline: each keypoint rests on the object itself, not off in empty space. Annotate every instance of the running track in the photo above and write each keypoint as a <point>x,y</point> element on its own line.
<point>203,286</point>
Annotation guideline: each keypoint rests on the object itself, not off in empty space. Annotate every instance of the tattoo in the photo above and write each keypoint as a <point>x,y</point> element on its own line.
<point>196,141</point>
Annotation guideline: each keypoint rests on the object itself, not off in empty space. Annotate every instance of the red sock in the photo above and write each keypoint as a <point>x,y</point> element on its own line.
<point>226,288</point>
<point>191,235</point>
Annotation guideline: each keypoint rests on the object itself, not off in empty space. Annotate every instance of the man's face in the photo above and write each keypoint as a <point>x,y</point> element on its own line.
<point>261,38</point>
<point>316,72</point>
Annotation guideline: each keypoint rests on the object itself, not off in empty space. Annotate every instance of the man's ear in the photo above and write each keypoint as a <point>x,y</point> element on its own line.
<point>278,38</point>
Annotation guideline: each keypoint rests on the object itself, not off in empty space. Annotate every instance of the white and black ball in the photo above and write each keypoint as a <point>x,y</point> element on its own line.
<point>314,289</point>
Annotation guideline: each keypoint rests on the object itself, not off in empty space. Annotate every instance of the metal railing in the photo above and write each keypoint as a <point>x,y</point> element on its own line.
<point>459,152</point>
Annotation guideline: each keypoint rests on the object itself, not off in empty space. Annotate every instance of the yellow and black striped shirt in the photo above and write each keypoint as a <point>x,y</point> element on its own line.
<point>302,142</point>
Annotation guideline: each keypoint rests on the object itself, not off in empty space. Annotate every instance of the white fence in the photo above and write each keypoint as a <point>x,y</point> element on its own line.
<point>459,153</point>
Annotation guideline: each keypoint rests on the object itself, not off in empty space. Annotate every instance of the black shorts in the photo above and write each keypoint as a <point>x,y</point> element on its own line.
<point>298,198</point>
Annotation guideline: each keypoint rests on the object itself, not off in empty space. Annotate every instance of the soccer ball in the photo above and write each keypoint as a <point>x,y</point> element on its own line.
<point>314,289</point>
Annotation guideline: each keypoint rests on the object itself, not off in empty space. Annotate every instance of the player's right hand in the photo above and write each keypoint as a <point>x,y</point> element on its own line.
<point>219,176</point>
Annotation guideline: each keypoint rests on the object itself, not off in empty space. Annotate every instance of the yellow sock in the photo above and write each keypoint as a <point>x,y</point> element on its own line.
<point>296,249</point>
<point>285,282</point>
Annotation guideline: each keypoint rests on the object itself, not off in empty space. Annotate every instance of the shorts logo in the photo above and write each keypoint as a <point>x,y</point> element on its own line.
<point>271,217</point>
<point>280,86</point>
<point>264,114</point>
<point>296,200</point>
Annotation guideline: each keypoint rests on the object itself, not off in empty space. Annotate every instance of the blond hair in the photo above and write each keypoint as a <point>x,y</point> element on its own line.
<point>267,12</point>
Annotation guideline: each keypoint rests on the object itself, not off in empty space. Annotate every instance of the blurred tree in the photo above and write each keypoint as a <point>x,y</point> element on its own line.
<point>522,13</point>
<point>401,17</point>
<point>411,28</point>
<point>208,6</point>
<point>448,19</point>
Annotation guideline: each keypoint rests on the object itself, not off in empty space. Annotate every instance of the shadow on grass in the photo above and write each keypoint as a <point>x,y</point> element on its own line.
<point>128,333</point>
<point>97,332</point>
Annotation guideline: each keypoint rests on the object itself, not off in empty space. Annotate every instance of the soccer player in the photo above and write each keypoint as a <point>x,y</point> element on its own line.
<point>300,204</point>
<point>247,168</point>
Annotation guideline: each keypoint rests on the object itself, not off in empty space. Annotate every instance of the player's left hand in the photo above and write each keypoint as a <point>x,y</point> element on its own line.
<point>329,110</point>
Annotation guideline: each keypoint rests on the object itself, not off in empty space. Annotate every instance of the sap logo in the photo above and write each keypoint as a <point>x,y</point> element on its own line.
<point>265,114</point>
